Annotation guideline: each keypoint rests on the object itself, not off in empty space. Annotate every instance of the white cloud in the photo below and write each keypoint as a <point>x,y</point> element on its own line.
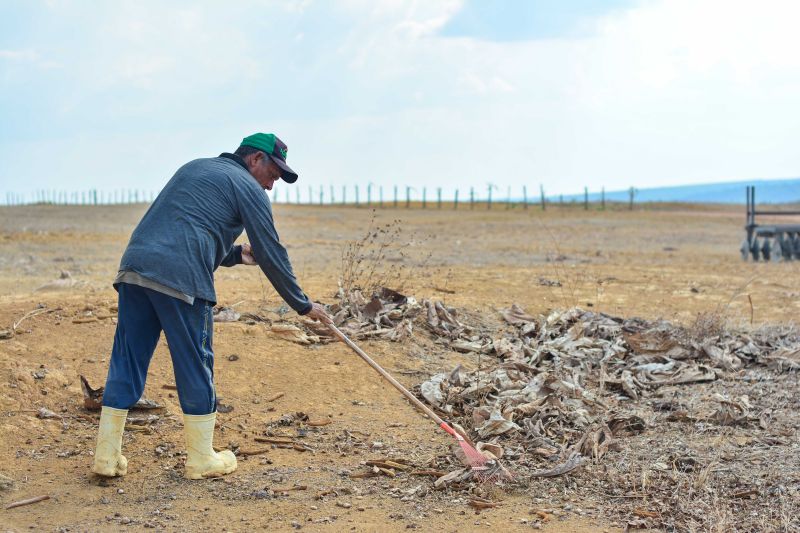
<point>670,91</point>
<point>19,55</point>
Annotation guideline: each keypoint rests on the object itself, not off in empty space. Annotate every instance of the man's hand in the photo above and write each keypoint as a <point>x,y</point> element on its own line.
<point>247,255</point>
<point>318,313</point>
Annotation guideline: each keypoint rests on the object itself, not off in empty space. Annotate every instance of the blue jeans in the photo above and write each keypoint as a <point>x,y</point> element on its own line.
<point>143,314</point>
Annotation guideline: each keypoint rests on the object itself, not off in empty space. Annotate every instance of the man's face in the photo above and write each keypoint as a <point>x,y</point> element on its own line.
<point>264,170</point>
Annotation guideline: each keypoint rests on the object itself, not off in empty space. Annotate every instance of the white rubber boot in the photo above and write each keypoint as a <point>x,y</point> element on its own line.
<point>201,459</point>
<point>108,458</point>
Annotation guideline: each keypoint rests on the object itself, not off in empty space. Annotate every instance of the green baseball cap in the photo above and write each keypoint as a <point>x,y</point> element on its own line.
<point>276,150</point>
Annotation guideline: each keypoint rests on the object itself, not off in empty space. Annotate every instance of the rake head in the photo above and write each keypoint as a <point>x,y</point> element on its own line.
<point>485,469</point>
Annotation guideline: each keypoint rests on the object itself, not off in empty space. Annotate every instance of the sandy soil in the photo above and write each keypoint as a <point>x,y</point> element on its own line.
<point>672,263</point>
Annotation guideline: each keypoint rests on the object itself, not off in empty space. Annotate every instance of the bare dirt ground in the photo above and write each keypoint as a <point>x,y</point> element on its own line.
<point>672,263</point>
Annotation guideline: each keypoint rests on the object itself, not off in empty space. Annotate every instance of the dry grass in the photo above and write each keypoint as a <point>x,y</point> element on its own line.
<point>383,257</point>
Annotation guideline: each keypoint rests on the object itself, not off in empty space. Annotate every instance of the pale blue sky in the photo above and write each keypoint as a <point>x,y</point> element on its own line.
<point>447,93</point>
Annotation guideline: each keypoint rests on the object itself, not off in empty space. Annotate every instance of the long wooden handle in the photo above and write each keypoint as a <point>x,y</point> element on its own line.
<point>388,377</point>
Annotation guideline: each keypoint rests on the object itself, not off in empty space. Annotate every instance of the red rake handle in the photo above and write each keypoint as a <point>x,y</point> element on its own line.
<point>388,377</point>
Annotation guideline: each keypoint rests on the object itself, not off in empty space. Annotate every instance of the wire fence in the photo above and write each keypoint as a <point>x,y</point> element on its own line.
<point>372,195</point>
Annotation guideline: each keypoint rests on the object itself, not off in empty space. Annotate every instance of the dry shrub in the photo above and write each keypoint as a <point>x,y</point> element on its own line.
<point>383,257</point>
<point>571,280</point>
<point>714,323</point>
<point>707,325</point>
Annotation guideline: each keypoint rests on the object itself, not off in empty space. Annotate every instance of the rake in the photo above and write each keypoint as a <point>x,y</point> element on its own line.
<point>478,462</point>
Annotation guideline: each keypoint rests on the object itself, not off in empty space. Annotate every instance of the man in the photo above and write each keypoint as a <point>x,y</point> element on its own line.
<point>165,283</point>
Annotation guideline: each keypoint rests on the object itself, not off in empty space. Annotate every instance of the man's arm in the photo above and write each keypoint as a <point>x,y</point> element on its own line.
<point>234,257</point>
<point>317,312</point>
<point>269,253</point>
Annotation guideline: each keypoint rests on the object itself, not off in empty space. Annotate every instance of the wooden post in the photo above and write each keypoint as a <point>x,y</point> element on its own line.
<point>332,200</point>
<point>472,197</point>
<point>408,196</point>
<point>525,197</point>
<point>489,198</point>
<point>438,198</point>
<point>455,201</point>
<point>369,194</point>
<point>424,200</point>
<point>395,195</point>
<point>541,191</point>
<point>586,198</point>
<point>321,199</point>
<point>603,198</point>
<point>344,194</point>
<point>356,195</point>
<point>632,193</point>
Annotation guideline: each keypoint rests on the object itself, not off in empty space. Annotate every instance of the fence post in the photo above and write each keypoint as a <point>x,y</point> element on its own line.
<point>344,194</point>
<point>541,191</point>
<point>438,198</point>
<point>408,196</point>
<point>380,196</point>
<point>395,195</point>
<point>423,197</point>
<point>332,200</point>
<point>603,198</point>
<point>356,195</point>
<point>472,197</point>
<point>632,193</point>
<point>455,201</point>
<point>369,194</point>
<point>525,197</point>
<point>489,198</point>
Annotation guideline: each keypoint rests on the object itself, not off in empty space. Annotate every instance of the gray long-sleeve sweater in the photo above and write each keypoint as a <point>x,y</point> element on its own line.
<point>191,226</point>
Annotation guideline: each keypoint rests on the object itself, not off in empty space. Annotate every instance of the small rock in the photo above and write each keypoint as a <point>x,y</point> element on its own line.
<point>377,445</point>
<point>296,524</point>
<point>6,483</point>
<point>125,520</point>
<point>344,505</point>
<point>233,357</point>
<point>120,491</point>
<point>46,413</point>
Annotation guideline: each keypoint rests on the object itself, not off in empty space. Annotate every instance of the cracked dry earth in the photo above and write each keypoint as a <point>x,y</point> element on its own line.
<point>670,263</point>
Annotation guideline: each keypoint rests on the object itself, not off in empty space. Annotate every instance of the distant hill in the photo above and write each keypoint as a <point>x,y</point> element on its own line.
<point>767,192</point>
